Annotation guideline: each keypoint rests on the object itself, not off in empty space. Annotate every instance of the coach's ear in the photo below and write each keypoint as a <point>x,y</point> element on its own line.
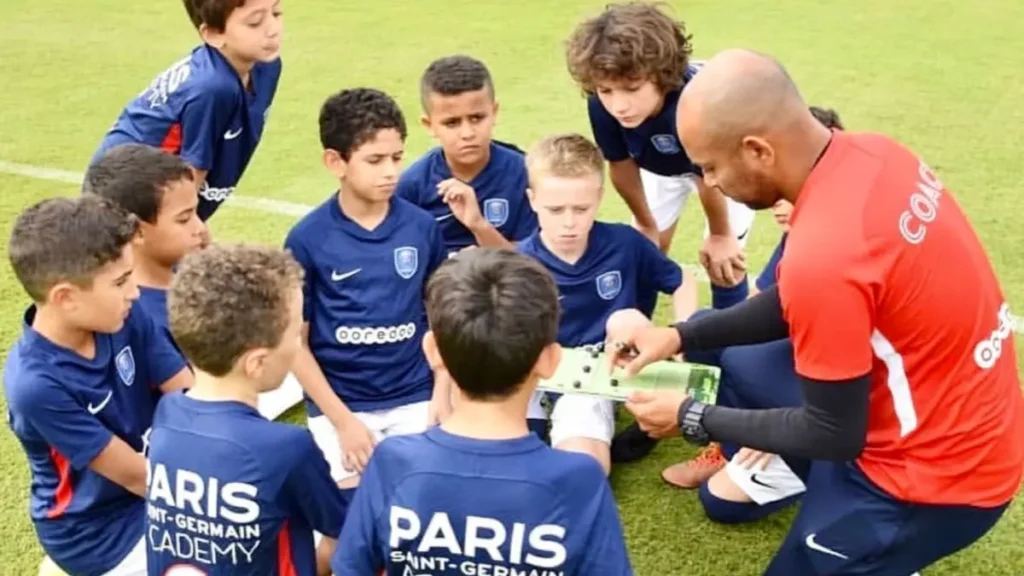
<point>548,361</point>
<point>431,352</point>
<point>530,197</point>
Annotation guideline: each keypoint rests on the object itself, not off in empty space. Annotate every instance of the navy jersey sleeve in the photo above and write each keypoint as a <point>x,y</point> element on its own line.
<point>766,279</point>
<point>67,426</point>
<point>656,269</point>
<point>312,492</point>
<point>359,552</point>
<point>204,120</point>
<point>607,131</point>
<point>298,250</point>
<point>163,359</point>
<point>605,551</point>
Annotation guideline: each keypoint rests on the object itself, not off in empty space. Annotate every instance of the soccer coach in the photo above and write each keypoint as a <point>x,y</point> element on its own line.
<point>902,337</point>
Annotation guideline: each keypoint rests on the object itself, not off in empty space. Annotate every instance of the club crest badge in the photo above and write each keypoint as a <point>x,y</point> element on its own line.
<point>609,284</point>
<point>665,143</point>
<point>125,363</point>
<point>406,261</point>
<point>496,211</point>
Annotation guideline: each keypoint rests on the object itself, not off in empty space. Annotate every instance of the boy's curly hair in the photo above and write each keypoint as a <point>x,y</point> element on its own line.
<point>629,41</point>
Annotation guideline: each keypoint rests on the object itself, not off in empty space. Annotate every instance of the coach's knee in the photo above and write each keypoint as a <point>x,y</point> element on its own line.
<point>625,321</point>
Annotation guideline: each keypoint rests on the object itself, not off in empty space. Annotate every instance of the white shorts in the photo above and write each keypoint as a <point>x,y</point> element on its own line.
<point>134,564</point>
<point>276,402</point>
<point>579,416</point>
<point>408,419</point>
<point>775,482</point>
<point>667,196</point>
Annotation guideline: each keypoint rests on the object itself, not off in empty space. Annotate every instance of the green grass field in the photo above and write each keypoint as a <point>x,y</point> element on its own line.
<point>942,76</point>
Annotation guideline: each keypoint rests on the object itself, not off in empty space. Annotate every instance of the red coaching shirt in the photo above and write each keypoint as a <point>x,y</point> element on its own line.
<point>882,273</point>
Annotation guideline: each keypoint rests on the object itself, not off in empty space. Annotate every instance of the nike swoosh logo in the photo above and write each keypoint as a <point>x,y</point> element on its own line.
<point>96,409</point>
<point>819,548</point>
<point>339,277</point>
<point>229,135</point>
<point>445,217</point>
<point>744,235</point>
<point>753,478</point>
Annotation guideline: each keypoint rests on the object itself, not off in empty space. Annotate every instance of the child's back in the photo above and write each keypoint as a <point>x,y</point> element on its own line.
<point>481,494</point>
<point>228,491</point>
<point>447,504</point>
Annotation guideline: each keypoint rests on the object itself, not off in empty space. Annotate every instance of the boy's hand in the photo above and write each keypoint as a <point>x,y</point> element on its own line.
<point>357,444</point>
<point>723,259</point>
<point>749,458</point>
<point>461,200</point>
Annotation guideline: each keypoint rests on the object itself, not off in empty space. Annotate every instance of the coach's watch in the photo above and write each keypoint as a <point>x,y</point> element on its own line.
<point>691,426</point>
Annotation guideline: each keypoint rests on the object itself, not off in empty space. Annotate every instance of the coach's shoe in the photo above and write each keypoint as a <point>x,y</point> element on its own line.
<point>631,444</point>
<point>700,469</point>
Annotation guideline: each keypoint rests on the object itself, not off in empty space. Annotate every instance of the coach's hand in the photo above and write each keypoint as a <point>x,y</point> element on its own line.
<point>640,347</point>
<point>723,259</point>
<point>657,412</point>
<point>357,444</point>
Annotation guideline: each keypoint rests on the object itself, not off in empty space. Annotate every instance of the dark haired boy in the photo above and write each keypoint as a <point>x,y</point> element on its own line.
<point>210,107</point>
<point>159,190</point>
<point>480,494</point>
<point>632,62</point>
<point>366,256</point>
<point>249,500</point>
<point>79,383</point>
<point>473,185</point>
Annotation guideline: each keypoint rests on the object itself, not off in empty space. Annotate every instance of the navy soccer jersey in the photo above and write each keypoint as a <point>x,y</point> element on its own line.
<point>436,503</point>
<point>500,190</point>
<point>65,409</point>
<point>199,109</point>
<point>363,300</point>
<point>246,503</point>
<point>620,269</point>
<point>768,276</point>
<point>654,144</point>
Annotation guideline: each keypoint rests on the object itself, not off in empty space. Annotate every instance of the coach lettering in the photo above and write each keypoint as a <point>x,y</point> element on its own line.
<point>988,351</point>
<point>540,546</point>
<point>924,206</point>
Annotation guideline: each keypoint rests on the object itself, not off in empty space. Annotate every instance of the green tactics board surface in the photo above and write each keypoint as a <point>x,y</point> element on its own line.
<point>585,372</point>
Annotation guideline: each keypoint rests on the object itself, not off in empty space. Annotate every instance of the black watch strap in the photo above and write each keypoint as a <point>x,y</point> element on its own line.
<point>691,422</point>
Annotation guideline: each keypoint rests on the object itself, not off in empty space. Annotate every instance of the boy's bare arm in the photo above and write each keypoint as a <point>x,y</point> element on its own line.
<point>685,300</point>
<point>307,371</point>
<point>120,464</point>
<point>716,210</point>
<point>625,177</point>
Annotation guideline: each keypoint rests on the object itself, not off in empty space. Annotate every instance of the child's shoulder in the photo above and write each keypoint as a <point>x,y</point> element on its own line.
<point>202,73</point>
<point>30,373</point>
<point>312,221</point>
<point>568,472</point>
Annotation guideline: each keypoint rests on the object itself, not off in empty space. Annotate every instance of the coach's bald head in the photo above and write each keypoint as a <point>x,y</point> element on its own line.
<point>742,119</point>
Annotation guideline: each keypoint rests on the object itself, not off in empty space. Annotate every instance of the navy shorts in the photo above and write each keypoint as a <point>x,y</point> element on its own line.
<point>848,526</point>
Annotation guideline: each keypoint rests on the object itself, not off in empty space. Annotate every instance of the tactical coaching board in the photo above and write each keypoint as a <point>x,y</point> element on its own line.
<point>585,372</point>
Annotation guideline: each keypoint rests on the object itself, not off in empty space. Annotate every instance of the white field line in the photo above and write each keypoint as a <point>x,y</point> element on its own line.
<point>272,206</point>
